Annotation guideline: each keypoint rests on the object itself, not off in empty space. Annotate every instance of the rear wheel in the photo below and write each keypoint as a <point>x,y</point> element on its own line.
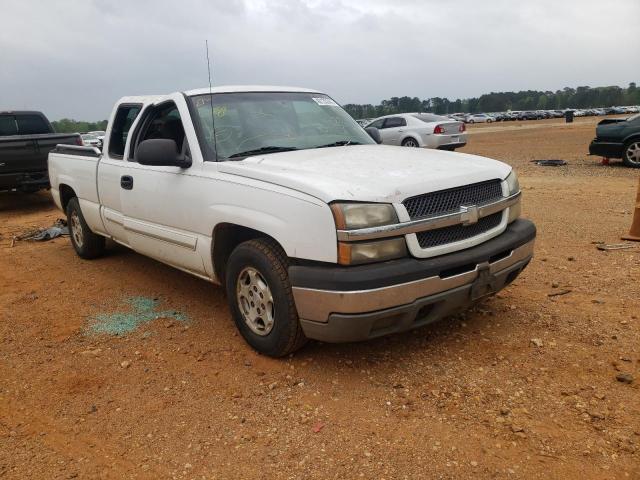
<point>87,244</point>
<point>410,142</point>
<point>260,298</point>
<point>631,155</point>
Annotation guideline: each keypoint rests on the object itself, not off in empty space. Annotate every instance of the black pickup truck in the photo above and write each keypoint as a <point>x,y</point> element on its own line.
<point>25,141</point>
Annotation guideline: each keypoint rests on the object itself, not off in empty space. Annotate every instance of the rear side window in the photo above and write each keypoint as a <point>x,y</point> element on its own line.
<point>125,116</point>
<point>8,125</point>
<point>32,125</point>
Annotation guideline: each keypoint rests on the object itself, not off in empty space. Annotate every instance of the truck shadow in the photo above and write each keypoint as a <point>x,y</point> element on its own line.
<point>21,203</point>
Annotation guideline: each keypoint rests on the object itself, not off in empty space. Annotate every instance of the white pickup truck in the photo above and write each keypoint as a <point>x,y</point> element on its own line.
<point>312,228</point>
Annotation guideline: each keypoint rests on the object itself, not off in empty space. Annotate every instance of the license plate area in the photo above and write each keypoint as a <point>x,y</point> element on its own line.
<point>485,284</point>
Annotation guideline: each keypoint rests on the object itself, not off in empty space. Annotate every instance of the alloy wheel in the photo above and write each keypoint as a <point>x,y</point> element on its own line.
<point>633,153</point>
<point>255,301</point>
<point>76,229</point>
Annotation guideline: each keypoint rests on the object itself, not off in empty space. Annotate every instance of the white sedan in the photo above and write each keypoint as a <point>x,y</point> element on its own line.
<point>421,130</point>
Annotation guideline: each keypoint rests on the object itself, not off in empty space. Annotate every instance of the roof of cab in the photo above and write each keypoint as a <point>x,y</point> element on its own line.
<point>248,88</point>
<point>220,89</point>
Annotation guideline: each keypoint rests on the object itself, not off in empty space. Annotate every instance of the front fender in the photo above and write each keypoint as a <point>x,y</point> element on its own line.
<point>304,230</point>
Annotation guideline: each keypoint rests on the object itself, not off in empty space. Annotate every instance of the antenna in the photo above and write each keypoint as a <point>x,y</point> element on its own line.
<point>213,124</point>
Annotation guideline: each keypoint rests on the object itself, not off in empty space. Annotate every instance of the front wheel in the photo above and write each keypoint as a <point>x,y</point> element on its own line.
<point>631,155</point>
<point>87,244</point>
<point>260,298</point>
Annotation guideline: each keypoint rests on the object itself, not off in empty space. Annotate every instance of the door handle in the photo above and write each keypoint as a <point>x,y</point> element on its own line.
<point>126,182</point>
<point>400,131</point>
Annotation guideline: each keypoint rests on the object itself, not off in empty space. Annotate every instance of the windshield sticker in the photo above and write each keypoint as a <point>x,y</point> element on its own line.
<point>325,101</point>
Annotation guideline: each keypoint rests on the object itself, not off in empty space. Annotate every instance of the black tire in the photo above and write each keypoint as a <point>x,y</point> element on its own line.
<point>87,244</point>
<point>631,150</point>
<point>410,142</point>
<point>267,258</point>
<point>472,121</point>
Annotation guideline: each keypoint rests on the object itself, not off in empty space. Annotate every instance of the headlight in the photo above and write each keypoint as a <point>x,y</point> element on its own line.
<point>350,216</point>
<point>367,252</point>
<point>514,187</point>
<point>353,216</point>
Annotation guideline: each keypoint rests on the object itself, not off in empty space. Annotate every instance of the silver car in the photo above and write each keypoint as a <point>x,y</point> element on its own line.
<point>421,130</point>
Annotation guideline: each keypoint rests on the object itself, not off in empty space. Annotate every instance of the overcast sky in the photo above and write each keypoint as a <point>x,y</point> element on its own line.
<point>75,58</point>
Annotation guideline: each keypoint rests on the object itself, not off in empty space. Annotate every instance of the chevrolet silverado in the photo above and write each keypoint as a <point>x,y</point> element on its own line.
<point>312,229</point>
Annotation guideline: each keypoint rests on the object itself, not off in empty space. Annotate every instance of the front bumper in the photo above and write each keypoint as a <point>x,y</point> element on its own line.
<point>605,149</point>
<point>344,304</point>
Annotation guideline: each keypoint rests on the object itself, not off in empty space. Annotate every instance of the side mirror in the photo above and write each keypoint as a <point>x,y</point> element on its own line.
<point>161,152</point>
<point>374,133</point>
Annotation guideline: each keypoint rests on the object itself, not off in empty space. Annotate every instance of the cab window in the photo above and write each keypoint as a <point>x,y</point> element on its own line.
<point>125,116</point>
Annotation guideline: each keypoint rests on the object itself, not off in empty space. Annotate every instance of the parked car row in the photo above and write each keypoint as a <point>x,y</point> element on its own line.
<point>513,115</point>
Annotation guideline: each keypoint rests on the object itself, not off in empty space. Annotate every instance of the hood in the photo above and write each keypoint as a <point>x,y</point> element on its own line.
<point>368,173</point>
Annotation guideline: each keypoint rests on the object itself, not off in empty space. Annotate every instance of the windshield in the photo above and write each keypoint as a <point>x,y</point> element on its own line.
<point>250,123</point>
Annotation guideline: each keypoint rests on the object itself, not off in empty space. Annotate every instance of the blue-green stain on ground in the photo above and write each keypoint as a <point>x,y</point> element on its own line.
<point>143,310</point>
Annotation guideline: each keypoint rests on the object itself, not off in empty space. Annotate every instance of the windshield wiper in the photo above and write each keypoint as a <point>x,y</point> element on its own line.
<point>257,151</point>
<point>339,143</point>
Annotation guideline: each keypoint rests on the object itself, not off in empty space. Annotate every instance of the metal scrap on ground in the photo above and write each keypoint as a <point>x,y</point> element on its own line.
<point>59,228</point>
<point>549,163</point>
<point>615,246</point>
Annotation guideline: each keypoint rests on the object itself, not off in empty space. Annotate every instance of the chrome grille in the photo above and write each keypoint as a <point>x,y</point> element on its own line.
<point>457,233</point>
<point>450,201</point>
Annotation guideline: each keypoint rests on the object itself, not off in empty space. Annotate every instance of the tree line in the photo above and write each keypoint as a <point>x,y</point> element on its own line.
<point>67,125</point>
<point>580,97</point>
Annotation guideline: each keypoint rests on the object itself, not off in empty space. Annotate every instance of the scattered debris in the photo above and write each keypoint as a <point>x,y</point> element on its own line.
<point>317,428</point>
<point>537,342</point>
<point>549,163</point>
<point>59,228</point>
<point>614,246</point>
<point>625,377</point>
<point>143,310</point>
<point>559,292</point>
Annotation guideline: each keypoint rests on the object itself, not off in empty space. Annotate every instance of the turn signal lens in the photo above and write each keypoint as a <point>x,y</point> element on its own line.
<point>514,211</point>
<point>368,252</point>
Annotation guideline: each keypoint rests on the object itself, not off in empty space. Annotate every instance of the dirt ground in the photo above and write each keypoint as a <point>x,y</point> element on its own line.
<point>522,387</point>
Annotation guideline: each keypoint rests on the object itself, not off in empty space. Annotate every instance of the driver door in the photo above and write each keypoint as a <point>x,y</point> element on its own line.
<point>161,203</point>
